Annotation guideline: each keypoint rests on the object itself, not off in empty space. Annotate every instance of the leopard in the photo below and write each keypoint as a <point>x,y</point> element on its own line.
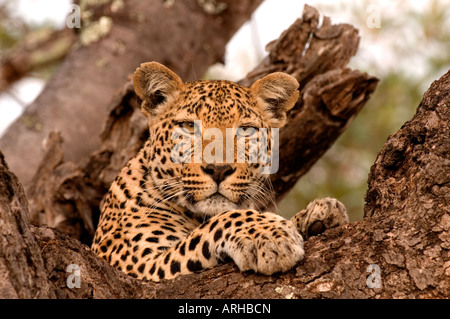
<point>170,213</point>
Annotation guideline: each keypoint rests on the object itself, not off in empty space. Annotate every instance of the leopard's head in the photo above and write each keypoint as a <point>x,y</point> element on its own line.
<point>212,140</point>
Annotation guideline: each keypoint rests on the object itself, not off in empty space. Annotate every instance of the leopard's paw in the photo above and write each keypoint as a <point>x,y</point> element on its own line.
<point>320,215</point>
<point>270,246</point>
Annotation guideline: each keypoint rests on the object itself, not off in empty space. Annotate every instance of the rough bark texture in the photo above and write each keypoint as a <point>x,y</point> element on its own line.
<point>22,270</point>
<point>67,195</point>
<point>405,233</point>
<point>187,36</point>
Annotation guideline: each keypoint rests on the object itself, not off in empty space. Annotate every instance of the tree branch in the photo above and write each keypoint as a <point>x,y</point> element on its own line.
<point>38,48</point>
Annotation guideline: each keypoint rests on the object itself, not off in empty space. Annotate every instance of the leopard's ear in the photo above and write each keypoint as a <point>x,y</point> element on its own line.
<point>276,93</point>
<point>156,86</point>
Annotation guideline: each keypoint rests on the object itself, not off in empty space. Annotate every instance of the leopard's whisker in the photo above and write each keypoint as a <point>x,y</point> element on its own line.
<point>262,194</point>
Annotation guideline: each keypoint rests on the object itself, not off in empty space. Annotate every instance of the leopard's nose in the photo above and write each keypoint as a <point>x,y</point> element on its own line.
<point>218,172</point>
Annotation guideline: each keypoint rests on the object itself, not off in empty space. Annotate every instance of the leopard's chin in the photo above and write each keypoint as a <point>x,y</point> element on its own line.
<point>213,205</point>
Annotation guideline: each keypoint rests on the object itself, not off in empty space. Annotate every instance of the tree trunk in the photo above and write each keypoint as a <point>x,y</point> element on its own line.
<point>22,268</point>
<point>187,36</point>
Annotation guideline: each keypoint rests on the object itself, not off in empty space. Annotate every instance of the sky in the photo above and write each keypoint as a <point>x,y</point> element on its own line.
<point>247,46</point>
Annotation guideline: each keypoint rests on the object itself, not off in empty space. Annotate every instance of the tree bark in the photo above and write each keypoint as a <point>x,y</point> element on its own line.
<point>21,265</point>
<point>405,235</point>
<point>67,195</point>
<point>187,36</point>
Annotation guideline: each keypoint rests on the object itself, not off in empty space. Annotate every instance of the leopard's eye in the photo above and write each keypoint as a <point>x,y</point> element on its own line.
<point>246,131</point>
<point>189,127</point>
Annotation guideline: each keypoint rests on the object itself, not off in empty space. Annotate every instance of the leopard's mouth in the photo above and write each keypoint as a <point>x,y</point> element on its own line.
<point>212,205</point>
<point>217,195</point>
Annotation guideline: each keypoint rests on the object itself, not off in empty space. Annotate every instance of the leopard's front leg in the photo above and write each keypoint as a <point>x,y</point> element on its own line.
<point>263,242</point>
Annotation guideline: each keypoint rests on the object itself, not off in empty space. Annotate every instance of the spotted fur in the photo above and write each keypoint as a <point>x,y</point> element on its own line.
<point>162,218</point>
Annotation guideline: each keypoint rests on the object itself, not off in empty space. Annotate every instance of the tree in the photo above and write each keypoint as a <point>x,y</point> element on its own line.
<point>399,249</point>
